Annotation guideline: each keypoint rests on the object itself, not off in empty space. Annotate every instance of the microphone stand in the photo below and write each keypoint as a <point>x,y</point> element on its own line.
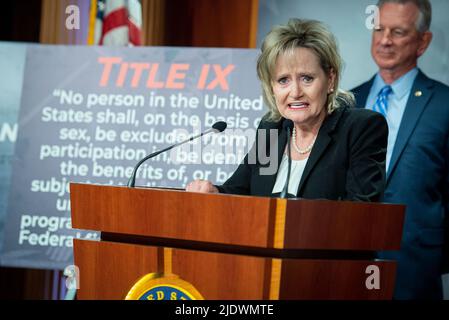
<point>132,179</point>
<point>284,193</point>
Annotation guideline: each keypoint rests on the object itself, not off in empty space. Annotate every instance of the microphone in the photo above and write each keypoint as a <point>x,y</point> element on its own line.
<point>217,127</point>
<point>287,125</point>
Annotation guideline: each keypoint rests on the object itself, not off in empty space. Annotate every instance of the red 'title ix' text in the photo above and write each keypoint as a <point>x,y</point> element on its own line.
<point>133,74</point>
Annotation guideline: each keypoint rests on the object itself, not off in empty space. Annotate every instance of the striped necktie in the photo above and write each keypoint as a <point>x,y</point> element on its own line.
<point>381,104</point>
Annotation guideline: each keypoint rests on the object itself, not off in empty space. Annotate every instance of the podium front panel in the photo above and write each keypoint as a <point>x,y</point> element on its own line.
<point>109,270</point>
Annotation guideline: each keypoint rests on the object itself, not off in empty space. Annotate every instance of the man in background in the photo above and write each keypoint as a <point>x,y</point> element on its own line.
<point>417,111</point>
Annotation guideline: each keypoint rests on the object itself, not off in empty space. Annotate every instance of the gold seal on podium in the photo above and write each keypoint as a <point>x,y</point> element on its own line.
<point>157,286</point>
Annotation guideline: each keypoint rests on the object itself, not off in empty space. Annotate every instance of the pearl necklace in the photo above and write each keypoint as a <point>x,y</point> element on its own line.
<point>301,151</point>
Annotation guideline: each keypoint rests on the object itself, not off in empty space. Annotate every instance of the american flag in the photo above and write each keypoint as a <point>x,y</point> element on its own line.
<point>116,22</point>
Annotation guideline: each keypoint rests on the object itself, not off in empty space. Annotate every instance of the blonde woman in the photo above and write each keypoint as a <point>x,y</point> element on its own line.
<point>337,151</point>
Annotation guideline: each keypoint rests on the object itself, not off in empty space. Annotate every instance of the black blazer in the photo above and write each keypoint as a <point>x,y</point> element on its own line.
<point>347,161</point>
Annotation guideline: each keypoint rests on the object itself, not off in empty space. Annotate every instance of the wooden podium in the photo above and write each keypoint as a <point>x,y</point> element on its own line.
<point>234,247</point>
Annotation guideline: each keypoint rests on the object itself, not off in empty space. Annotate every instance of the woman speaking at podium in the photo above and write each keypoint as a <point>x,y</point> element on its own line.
<point>337,151</point>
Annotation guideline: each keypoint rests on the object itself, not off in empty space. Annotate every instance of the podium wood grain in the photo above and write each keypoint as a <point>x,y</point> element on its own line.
<point>105,274</point>
<point>233,247</point>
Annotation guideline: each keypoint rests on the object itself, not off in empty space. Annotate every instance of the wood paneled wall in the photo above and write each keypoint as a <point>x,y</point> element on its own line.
<point>35,284</point>
<point>199,23</point>
<point>20,21</point>
<point>211,23</point>
<point>53,17</point>
<point>225,23</point>
<point>153,20</point>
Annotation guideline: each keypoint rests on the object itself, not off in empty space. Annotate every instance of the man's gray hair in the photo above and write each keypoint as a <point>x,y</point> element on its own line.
<point>425,12</point>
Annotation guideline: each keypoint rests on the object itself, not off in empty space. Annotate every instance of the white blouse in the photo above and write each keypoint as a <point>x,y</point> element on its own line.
<point>296,172</point>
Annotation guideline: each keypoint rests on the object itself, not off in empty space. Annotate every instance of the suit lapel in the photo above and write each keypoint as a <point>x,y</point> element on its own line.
<point>361,93</point>
<point>322,141</point>
<point>419,97</point>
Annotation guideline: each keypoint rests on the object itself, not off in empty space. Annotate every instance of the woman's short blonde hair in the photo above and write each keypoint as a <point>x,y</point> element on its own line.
<point>299,33</point>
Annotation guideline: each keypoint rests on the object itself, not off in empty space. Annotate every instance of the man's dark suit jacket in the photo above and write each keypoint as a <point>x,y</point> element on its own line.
<point>418,176</point>
<point>347,160</point>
